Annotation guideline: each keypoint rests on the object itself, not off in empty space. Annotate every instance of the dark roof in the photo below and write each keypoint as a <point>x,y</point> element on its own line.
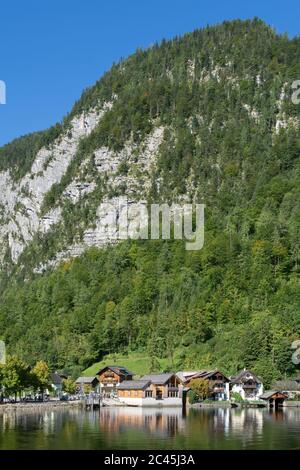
<point>134,385</point>
<point>119,370</point>
<point>207,374</point>
<point>86,380</point>
<point>157,379</point>
<point>56,379</point>
<point>269,393</point>
<point>185,376</point>
<point>238,378</point>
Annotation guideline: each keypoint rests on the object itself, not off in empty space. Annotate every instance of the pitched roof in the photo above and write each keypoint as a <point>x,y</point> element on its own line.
<point>86,380</point>
<point>158,379</point>
<point>56,379</point>
<point>269,393</point>
<point>134,385</point>
<point>207,374</point>
<point>119,370</point>
<point>185,375</point>
<point>201,374</point>
<point>238,378</point>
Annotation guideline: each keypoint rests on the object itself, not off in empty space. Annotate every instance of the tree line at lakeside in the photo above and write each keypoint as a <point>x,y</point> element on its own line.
<point>16,377</point>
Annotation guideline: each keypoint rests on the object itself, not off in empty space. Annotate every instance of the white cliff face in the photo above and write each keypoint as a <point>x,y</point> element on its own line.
<point>21,203</point>
<point>141,162</point>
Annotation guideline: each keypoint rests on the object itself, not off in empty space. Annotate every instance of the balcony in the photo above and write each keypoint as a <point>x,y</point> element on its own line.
<point>218,389</point>
<point>249,386</point>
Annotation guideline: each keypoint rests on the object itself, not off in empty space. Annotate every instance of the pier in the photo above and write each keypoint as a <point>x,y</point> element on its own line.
<point>93,403</point>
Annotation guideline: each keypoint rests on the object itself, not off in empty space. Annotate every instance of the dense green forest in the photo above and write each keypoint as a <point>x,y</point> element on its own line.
<point>235,303</point>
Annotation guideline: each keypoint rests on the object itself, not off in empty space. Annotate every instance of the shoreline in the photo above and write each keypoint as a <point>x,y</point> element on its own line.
<point>225,404</point>
<point>39,406</point>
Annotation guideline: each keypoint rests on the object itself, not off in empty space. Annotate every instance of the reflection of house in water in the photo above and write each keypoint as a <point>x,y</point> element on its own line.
<point>246,421</point>
<point>167,422</point>
<point>286,414</point>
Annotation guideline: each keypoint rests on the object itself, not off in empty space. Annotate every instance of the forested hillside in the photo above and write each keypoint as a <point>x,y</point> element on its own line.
<point>221,98</point>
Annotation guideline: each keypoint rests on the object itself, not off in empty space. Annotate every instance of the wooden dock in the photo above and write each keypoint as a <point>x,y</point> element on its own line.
<point>93,403</point>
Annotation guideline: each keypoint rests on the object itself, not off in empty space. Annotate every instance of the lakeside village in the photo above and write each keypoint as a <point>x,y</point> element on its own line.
<point>117,386</point>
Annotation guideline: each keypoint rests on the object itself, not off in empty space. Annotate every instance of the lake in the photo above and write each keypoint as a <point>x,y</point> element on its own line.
<point>151,429</point>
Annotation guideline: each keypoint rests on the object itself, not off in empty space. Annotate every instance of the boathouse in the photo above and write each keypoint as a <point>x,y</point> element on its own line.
<point>274,398</point>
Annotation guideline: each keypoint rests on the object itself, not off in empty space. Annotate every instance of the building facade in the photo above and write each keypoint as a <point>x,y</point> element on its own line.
<point>87,384</point>
<point>110,377</point>
<point>274,398</point>
<point>57,382</point>
<point>219,388</point>
<point>247,385</point>
<point>152,390</point>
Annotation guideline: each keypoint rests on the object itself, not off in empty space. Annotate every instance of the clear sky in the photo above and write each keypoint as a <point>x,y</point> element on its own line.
<point>50,50</point>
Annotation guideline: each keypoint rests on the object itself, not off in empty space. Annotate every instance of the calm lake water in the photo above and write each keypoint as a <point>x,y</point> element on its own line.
<point>136,428</point>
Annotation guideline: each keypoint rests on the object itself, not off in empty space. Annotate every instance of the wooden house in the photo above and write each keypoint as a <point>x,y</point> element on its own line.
<point>110,377</point>
<point>57,382</point>
<point>152,390</point>
<point>218,382</point>
<point>87,384</point>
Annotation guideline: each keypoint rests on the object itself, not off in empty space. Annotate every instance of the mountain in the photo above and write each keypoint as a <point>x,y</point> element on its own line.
<point>207,117</point>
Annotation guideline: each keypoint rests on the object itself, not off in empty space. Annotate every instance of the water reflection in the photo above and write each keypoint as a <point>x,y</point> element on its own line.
<point>141,428</point>
<point>162,422</point>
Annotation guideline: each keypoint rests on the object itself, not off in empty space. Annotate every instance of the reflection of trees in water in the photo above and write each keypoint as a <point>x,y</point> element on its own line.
<point>41,429</point>
<point>129,428</point>
<point>29,421</point>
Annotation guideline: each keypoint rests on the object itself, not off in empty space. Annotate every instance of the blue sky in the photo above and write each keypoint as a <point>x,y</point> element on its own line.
<point>51,50</point>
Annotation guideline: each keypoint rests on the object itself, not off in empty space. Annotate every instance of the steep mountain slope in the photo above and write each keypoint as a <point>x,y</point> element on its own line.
<point>206,118</point>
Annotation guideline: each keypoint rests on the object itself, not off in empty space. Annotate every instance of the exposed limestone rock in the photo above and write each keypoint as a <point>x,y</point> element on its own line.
<point>103,230</point>
<point>50,219</point>
<point>78,189</point>
<point>21,203</point>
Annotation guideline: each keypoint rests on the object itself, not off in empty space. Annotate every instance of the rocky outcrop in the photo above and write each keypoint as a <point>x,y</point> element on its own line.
<point>141,161</point>
<point>21,203</point>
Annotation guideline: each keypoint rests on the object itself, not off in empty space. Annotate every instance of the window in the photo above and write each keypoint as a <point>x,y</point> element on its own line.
<point>173,394</point>
<point>148,394</point>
